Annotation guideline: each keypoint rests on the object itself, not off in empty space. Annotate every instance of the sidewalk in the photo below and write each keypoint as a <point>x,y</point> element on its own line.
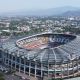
<point>25,76</point>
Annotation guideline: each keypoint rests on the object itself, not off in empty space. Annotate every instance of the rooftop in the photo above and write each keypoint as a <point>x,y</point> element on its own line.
<point>61,54</point>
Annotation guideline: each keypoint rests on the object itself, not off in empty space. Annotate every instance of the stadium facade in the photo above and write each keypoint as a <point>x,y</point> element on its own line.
<point>43,56</point>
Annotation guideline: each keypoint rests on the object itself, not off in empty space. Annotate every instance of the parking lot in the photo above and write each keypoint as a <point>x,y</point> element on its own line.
<point>11,77</point>
<point>8,75</point>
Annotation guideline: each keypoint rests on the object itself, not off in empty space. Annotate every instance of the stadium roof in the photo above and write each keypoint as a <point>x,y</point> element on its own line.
<point>58,55</point>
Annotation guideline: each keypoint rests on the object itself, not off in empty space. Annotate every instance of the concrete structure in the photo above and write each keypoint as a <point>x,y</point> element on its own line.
<point>43,56</point>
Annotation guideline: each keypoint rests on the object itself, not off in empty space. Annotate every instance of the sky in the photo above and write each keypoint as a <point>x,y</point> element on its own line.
<point>14,5</point>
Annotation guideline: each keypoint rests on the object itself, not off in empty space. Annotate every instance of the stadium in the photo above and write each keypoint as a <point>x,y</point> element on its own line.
<point>43,56</point>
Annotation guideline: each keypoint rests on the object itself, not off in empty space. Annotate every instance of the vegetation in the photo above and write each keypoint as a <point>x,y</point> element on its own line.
<point>5,33</point>
<point>1,76</point>
<point>56,79</point>
<point>72,29</point>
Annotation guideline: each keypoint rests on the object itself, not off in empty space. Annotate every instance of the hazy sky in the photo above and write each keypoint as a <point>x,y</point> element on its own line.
<point>12,5</point>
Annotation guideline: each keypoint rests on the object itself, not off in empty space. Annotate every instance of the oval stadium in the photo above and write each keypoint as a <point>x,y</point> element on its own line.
<point>43,56</point>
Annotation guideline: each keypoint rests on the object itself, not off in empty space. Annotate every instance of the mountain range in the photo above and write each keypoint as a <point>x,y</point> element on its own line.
<point>60,11</point>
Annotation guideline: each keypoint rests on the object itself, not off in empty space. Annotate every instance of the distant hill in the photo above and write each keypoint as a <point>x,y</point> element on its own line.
<point>48,12</point>
<point>72,13</point>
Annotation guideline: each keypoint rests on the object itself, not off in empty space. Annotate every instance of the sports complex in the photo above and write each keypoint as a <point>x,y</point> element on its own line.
<point>43,56</point>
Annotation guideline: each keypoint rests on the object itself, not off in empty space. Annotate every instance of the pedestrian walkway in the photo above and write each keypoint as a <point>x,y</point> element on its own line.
<point>77,78</point>
<point>25,76</point>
